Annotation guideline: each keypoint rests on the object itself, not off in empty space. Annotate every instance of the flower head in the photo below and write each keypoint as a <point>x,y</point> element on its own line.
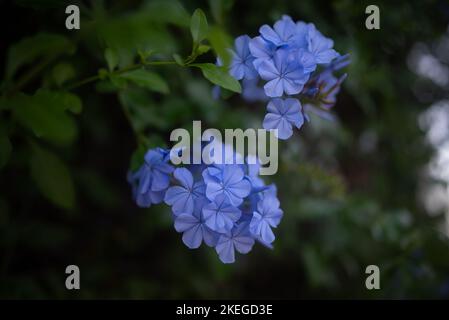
<point>284,61</point>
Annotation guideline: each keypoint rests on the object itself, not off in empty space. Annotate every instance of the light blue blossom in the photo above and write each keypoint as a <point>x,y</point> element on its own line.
<point>220,215</point>
<point>242,61</point>
<point>182,197</point>
<point>194,228</point>
<point>239,238</point>
<point>152,179</point>
<point>262,50</point>
<point>267,216</point>
<point>282,115</point>
<point>320,46</point>
<point>283,73</point>
<point>229,180</point>
<point>282,33</point>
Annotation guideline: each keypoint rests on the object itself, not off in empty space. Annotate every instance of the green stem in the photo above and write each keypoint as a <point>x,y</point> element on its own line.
<point>118,72</point>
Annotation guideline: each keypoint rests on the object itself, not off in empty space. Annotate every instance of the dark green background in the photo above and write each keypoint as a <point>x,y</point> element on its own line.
<point>349,189</point>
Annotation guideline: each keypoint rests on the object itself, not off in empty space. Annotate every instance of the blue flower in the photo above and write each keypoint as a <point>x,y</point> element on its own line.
<point>268,215</point>
<point>242,61</point>
<point>284,73</point>
<point>283,33</point>
<point>261,50</point>
<point>228,180</point>
<point>239,238</point>
<point>146,199</point>
<point>320,46</point>
<point>182,197</point>
<point>152,179</point>
<point>282,115</point>
<point>155,171</point>
<point>194,228</point>
<point>220,215</point>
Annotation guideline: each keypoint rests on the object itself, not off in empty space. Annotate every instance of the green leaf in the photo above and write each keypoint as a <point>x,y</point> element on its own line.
<point>202,49</point>
<point>45,114</point>
<point>167,11</point>
<point>132,33</point>
<point>68,101</point>
<point>219,76</point>
<point>147,79</point>
<point>63,72</point>
<point>198,26</point>
<point>52,177</point>
<point>5,148</point>
<point>111,57</point>
<point>220,42</point>
<point>29,49</point>
<point>118,82</point>
<point>144,112</point>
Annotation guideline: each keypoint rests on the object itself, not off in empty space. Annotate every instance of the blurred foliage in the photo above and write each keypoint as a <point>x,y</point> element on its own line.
<point>79,107</point>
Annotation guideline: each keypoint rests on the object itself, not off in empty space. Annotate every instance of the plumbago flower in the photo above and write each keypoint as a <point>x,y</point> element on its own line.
<point>182,197</point>
<point>152,179</point>
<point>282,115</point>
<point>289,61</point>
<point>225,206</point>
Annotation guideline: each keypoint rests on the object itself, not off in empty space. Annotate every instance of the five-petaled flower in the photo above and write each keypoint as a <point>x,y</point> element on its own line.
<point>267,216</point>
<point>282,115</point>
<point>239,238</point>
<point>182,197</point>
<point>242,63</point>
<point>228,180</point>
<point>220,214</point>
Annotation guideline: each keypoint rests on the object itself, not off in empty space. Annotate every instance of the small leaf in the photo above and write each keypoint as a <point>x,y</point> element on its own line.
<point>69,101</point>
<point>31,48</point>
<point>147,79</point>
<point>52,177</point>
<point>167,11</point>
<point>198,26</point>
<point>219,76</point>
<point>220,42</point>
<point>118,82</point>
<point>63,72</point>
<point>111,57</point>
<point>179,60</point>
<point>202,49</point>
<point>45,114</point>
<point>144,112</point>
<point>5,148</point>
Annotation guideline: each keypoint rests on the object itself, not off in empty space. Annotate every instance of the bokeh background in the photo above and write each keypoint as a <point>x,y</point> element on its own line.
<point>370,187</point>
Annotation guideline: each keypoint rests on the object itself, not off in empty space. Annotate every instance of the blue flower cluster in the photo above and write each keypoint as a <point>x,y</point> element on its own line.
<point>226,206</point>
<point>290,60</point>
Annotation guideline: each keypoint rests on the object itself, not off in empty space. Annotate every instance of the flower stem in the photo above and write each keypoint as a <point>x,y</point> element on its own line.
<point>118,72</point>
